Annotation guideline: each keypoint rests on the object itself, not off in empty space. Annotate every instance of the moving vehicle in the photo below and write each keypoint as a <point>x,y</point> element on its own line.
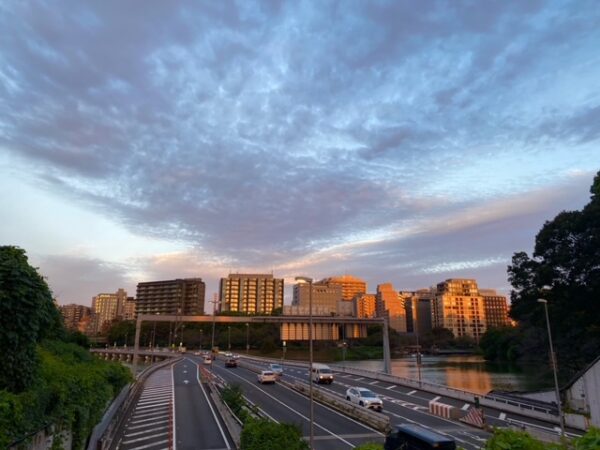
<point>413,437</point>
<point>277,369</point>
<point>266,376</point>
<point>364,397</point>
<point>321,373</point>
<point>207,360</point>
<point>230,363</point>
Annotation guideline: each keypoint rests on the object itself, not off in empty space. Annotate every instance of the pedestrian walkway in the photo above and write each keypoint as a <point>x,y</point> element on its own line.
<point>150,427</point>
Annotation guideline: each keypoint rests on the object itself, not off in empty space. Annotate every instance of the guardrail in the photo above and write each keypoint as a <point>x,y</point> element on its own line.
<point>524,409</point>
<point>104,433</point>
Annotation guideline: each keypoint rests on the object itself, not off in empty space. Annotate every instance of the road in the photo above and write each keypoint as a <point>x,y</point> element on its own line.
<point>332,430</point>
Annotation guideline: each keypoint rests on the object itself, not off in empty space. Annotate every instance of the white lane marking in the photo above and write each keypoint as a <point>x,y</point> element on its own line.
<point>156,412</point>
<point>145,425</point>
<point>173,406</point>
<point>142,447</point>
<point>145,438</point>
<point>151,399</point>
<point>435,399</point>
<point>154,401</point>
<point>185,381</point>
<point>391,387</point>
<point>411,392</point>
<point>148,420</point>
<point>155,405</point>
<point>359,379</point>
<point>137,433</point>
<point>374,382</point>
<point>211,407</point>
<point>296,412</point>
<point>465,407</point>
<point>502,416</point>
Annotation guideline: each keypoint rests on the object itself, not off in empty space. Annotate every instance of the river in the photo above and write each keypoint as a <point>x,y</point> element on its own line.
<point>467,372</point>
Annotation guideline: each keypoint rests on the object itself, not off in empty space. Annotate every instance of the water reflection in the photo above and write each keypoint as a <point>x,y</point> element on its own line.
<point>470,373</point>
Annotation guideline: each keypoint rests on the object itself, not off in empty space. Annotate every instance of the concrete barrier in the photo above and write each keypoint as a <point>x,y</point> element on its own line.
<point>443,410</point>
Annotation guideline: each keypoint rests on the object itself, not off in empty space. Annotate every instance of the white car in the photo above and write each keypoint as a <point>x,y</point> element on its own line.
<point>364,397</point>
<point>266,376</point>
<point>277,369</point>
<point>207,360</point>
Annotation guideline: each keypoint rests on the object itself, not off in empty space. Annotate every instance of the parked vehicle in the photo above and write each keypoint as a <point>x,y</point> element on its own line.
<point>231,363</point>
<point>266,376</point>
<point>413,437</point>
<point>321,373</point>
<point>364,397</point>
<point>277,369</point>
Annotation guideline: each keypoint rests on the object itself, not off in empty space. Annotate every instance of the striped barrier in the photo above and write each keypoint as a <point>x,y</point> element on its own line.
<point>474,417</point>
<point>443,410</point>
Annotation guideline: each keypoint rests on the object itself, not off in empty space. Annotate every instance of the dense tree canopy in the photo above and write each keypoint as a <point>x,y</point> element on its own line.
<point>564,270</point>
<point>27,315</point>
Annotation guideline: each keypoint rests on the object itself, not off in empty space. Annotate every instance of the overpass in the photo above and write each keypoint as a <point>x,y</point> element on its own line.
<point>291,328</point>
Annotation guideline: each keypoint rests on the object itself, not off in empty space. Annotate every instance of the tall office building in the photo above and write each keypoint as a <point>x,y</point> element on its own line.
<point>128,310</point>
<point>350,285</point>
<point>182,296</point>
<point>458,306</point>
<point>496,309</point>
<point>251,293</point>
<point>365,306</point>
<point>391,304</point>
<point>108,307</point>
<point>324,297</point>
<point>73,315</point>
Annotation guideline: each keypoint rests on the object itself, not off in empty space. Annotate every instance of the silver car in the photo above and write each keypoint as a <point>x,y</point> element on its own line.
<point>266,376</point>
<point>364,397</point>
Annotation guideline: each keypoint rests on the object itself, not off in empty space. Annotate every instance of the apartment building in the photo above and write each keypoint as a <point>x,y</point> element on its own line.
<point>495,309</point>
<point>324,297</point>
<point>366,306</point>
<point>74,314</point>
<point>251,293</point>
<point>182,296</point>
<point>389,303</point>
<point>459,307</point>
<point>351,286</point>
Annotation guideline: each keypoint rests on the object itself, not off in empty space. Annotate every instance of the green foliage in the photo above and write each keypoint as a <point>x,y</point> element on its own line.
<point>505,439</point>
<point>500,344</point>
<point>370,446</point>
<point>261,434</point>
<point>566,258</point>
<point>589,441</point>
<point>72,389</point>
<point>233,396</point>
<point>27,315</point>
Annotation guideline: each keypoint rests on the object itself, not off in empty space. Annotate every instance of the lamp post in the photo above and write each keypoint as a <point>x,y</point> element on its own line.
<point>247,338</point>
<point>310,357</point>
<point>228,338</point>
<point>554,368</point>
<point>215,302</point>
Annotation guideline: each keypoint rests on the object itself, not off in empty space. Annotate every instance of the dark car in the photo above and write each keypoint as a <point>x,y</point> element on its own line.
<point>230,363</point>
<point>414,437</point>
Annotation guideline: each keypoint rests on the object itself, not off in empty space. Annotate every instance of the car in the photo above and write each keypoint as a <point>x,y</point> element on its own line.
<point>364,397</point>
<point>277,369</point>
<point>266,376</point>
<point>411,436</point>
<point>228,355</point>
<point>230,363</point>
<point>207,360</point>
<point>197,353</point>
<point>236,356</point>
<point>321,373</point>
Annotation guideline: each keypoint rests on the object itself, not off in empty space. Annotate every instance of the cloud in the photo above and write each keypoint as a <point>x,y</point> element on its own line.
<point>302,135</point>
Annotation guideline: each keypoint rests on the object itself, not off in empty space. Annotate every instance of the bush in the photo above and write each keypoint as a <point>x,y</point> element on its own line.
<point>370,446</point>
<point>262,434</point>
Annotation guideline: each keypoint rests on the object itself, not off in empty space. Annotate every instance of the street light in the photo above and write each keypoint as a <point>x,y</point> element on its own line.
<point>310,357</point>
<point>228,338</point>
<point>554,368</point>
<point>247,338</point>
<point>215,302</point>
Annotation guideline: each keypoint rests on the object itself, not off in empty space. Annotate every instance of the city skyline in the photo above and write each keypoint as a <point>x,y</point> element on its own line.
<point>398,142</point>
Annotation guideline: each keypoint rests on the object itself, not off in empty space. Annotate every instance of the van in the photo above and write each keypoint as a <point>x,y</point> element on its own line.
<point>414,437</point>
<point>321,373</point>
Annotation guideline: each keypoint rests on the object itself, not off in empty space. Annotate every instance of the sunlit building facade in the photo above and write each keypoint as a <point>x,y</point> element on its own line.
<point>251,293</point>
<point>324,297</point>
<point>366,306</point>
<point>74,314</point>
<point>182,296</point>
<point>459,307</point>
<point>496,309</point>
<point>107,307</point>
<point>350,285</point>
<point>389,303</point>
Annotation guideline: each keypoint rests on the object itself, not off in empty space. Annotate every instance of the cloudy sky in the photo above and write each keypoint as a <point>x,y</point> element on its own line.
<point>402,141</point>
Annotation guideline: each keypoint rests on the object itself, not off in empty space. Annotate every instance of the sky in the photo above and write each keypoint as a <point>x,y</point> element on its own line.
<point>397,141</point>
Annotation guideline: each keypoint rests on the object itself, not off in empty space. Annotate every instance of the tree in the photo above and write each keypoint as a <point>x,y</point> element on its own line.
<point>27,315</point>
<point>262,434</point>
<point>566,258</point>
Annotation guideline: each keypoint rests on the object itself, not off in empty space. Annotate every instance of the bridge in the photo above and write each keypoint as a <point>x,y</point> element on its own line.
<point>291,328</point>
